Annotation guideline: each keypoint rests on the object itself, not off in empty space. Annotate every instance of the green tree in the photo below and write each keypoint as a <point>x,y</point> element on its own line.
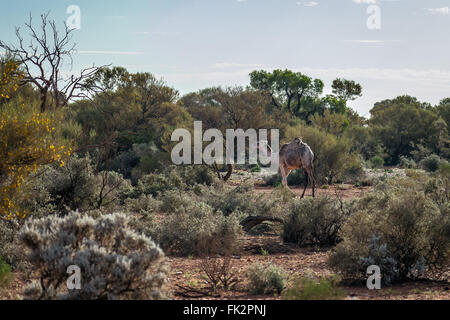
<point>443,110</point>
<point>286,88</point>
<point>403,123</point>
<point>346,89</point>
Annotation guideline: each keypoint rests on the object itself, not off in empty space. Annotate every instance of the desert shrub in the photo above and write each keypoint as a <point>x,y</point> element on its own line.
<point>145,204</point>
<point>444,174</point>
<point>295,178</point>
<point>174,200</point>
<point>310,288</point>
<point>115,261</point>
<point>153,184</point>
<point>197,174</point>
<point>219,272</point>
<point>407,163</point>
<point>10,251</point>
<point>125,162</point>
<point>332,154</point>
<point>36,198</point>
<point>273,180</point>
<point>5,273</point>
<point>354,171</point>
<point>376,162</point>
<point>378,255</point>
<point>400,227</point>
<point>28,141</point>
<point>110,191</point>
<point>175,177</point>
<point>8,230</point>
<point>244,200</point>
<point>315,221</point>
<point>74,186</point>
<point>149,159</point>
<point>198,230</point>
<point>70,187</point>
<point>266,279</point>
<point>430,163</point>
<point>229,200</point>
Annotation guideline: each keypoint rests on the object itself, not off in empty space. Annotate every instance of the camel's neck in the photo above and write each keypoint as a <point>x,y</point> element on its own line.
<point>266,150</point>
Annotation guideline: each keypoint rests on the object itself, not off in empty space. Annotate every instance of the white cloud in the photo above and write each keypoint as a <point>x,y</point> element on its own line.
<point>365,1</point>
<point>227,65</point>
<point>308,3</point>
<point>158,33</point>
<point>371,41</point>
<point>442,11</point>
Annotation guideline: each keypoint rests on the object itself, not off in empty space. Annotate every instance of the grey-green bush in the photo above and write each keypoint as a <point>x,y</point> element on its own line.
<point>266,279</point>
<point>175,177</point>
<point>407,163</point>
<point>75,186</point>
<point>145,204</point>
<point>315,221</point>
<point>115,261</point>
<point>376,162</point>
<point>430,163</point>
<point>10,250</point>
<point>197,229</point>
<point>5,273</point>
<point>243,199</point>
<point>311,288</point>
<point>399,226</point>
<point>174,200</point>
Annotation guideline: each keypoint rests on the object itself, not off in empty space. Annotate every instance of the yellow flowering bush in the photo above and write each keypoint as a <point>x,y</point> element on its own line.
<point>25,144</point>
<point>27,141</point>
<point>10,76</point>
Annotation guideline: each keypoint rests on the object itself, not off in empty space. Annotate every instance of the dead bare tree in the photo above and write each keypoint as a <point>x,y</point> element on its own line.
<point>43,59</point>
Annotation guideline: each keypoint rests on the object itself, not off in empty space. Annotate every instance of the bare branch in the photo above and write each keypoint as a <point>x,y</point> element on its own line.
<point>43,59</point>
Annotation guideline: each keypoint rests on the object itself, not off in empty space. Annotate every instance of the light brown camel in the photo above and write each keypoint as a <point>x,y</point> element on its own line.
<point>293,155</point>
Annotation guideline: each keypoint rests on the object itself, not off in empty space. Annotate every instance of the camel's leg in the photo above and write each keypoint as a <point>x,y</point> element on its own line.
<point>283,176</point>
<point>306,184</point>
<point>285,173</point>
<point>310,177</point>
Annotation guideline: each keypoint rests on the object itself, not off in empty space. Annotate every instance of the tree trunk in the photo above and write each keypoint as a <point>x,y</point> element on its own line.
<point>43,100</point>
<point>230,171</point>
<point>252,221</point>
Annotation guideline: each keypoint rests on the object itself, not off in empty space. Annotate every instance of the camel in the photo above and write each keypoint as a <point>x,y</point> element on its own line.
<point>292,156</point>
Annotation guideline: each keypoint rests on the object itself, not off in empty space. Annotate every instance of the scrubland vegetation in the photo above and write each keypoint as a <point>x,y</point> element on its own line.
<point>89,182</point>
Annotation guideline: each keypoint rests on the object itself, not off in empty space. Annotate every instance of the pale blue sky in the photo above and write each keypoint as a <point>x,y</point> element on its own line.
<point>195,44</point>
